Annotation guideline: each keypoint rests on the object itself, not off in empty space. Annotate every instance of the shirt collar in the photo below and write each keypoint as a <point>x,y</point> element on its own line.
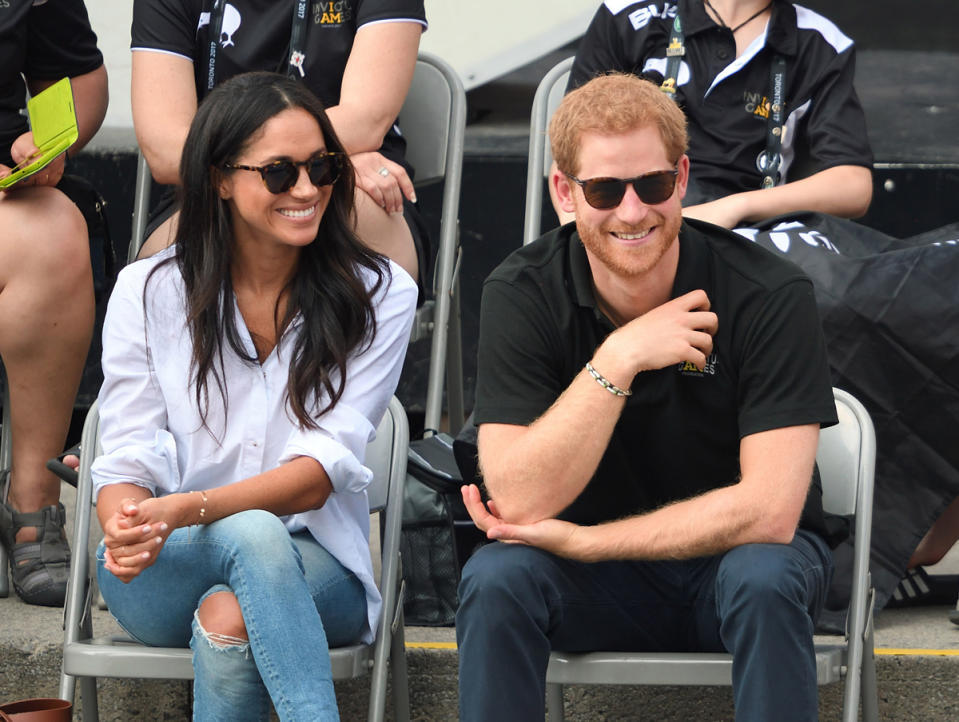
<point>580,274</point>
<point>692,271</point>
<point>781,35</point>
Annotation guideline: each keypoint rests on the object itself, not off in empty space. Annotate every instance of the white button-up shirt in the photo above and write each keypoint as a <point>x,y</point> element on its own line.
<point>152,434</point>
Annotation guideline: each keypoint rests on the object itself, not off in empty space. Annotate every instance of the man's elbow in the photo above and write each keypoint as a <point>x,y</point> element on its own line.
<point>777,528</point>
<point>509,502</point>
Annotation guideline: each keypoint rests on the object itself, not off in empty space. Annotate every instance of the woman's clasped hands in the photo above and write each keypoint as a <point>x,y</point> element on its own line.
<point>134,535</point>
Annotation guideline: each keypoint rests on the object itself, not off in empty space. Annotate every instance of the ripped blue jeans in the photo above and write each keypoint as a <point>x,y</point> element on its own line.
<point>296,600</point>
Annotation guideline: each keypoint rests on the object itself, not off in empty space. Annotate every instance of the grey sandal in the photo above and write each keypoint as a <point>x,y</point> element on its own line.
<point>39,569</point>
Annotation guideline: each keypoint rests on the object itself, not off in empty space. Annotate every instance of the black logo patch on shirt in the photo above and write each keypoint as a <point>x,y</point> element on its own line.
<point>333,13</point>
<point>687,368</point>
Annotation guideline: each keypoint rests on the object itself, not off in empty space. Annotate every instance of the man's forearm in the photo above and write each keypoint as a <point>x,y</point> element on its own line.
<point>538,472</point>
<point>704,525</point>
<point>764,506</point>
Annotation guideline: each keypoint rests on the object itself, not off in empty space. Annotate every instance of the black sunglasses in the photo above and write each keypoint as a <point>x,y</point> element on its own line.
<point>281,175</point>
<point>606,193</point>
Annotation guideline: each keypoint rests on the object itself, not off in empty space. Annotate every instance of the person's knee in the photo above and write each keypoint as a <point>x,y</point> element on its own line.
<point>261,543</point>
<point>762,576</point>
<point>498,579</point>
<point>221,619</point>
<point>49,233</point>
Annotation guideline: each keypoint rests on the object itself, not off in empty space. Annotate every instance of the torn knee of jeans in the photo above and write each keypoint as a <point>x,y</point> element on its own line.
<point>224,642</point>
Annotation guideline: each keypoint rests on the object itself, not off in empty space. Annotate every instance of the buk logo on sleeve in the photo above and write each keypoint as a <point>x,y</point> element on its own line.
<point>640,18</point>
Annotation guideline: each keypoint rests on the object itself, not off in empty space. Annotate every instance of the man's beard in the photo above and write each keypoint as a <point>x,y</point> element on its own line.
<point>625,261</point>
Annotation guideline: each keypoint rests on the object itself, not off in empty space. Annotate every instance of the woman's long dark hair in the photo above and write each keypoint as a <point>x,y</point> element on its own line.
<point>326,289</point>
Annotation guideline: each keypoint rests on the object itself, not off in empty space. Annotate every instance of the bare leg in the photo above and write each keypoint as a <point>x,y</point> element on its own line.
<point>939,539</point>
<point>220,615</point>
<point>46,320</point>
<point>385,233</point>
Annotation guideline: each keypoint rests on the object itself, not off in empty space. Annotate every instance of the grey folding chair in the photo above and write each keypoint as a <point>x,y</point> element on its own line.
<point>846,457</point>
<point>6,462</point>
<point>87,658</point>
<point>434,125</point>
<point>433,119</point>
<point>549,93</point>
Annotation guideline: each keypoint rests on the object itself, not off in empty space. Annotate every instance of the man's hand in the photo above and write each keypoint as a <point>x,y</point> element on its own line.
<point>679,330</point>
<point>558,537</point>
<point>385,188</point>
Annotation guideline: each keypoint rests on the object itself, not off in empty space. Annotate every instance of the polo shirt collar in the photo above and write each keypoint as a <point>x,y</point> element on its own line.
<point>580,274</point>
<point>692,270</point>
<point>781,35</point>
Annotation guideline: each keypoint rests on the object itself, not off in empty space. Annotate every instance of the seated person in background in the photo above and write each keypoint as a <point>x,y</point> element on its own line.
<point>648,421</point>
<point>359,61</point>
<point>725,84</point>
<point>46,284</point>
<point>236,408</point>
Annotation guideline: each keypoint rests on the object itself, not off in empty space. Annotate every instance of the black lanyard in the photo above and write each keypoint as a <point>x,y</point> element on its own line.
<point>674,56</point>
<point>776,97</point>
<point>297,56</point>
<point>216,29</point>
<point>774,122</point>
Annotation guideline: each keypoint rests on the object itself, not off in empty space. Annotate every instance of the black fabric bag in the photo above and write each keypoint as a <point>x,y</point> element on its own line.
<point>428,545</point>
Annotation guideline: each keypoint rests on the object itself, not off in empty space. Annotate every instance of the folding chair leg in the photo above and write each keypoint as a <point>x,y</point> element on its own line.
<point>454,364</point>
<point>554,702</point>
<point>401,685</point>
<point>88,697</point>
<point>869,689</point>
<point>68,687</point>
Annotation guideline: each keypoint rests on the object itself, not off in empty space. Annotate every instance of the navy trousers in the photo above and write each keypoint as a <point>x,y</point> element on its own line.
<point>757,601</point>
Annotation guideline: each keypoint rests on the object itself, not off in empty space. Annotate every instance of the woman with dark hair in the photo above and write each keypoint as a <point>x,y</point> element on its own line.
<point>245,371</point>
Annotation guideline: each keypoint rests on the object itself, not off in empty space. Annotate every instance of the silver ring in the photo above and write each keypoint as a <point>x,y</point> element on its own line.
<point>383,171</point>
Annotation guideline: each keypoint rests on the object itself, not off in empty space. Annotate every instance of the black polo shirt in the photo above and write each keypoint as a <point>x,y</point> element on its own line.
<point>725,97</point>
<point>679,432</point>
<point>256,36</point>
<point>45,41</point>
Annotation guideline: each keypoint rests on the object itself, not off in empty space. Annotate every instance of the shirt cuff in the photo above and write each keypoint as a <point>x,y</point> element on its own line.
<point>346,472</point>
<point>154,466</point>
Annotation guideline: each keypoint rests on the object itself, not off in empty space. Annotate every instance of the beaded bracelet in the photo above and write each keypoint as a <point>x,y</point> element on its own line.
<point>606,383</point>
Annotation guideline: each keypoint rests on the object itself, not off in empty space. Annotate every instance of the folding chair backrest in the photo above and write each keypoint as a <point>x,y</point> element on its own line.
<point>433,119</point>
<point>427,117</point>
<point>840,454</point>
<point>549,93</point>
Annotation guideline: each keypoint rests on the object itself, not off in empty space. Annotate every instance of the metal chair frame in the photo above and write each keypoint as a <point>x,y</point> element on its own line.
<point>549,93</point>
